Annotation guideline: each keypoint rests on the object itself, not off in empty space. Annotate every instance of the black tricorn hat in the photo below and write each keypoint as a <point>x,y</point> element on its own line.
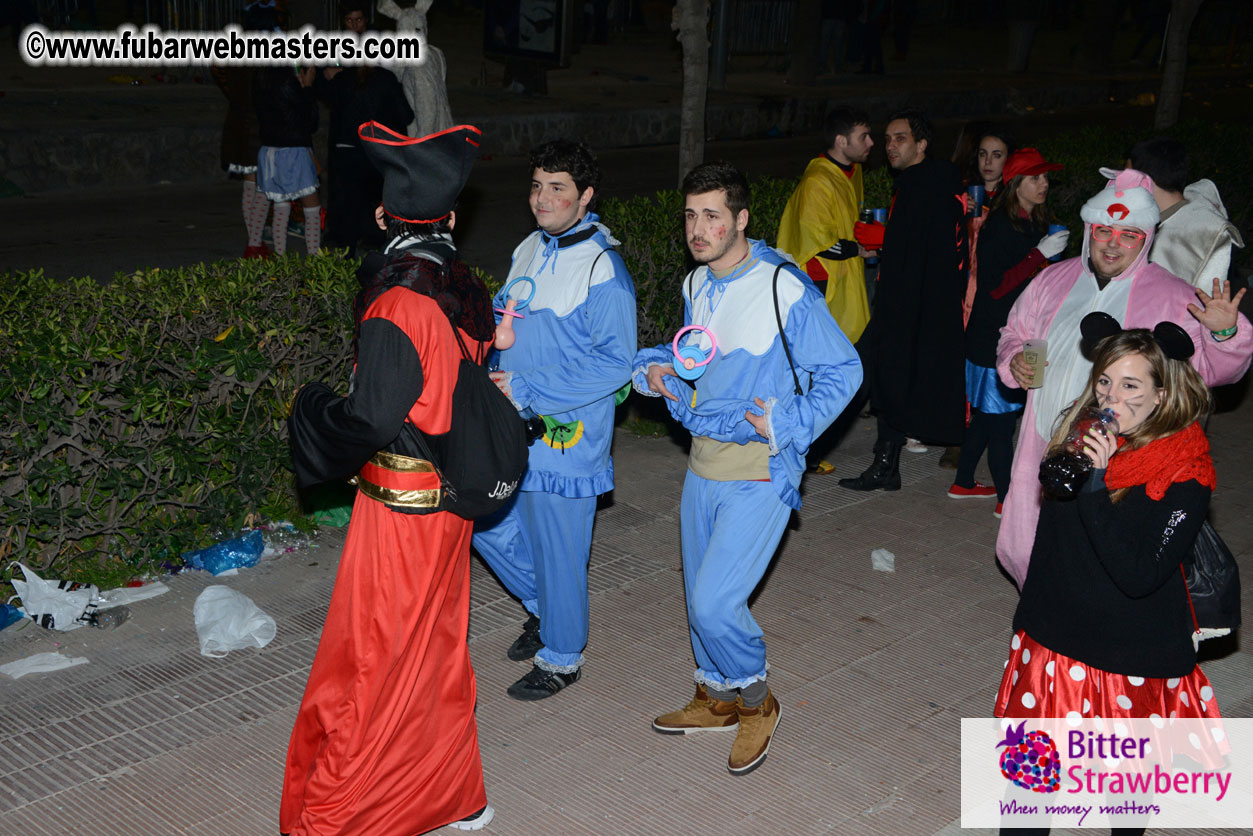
<point>422,176</point>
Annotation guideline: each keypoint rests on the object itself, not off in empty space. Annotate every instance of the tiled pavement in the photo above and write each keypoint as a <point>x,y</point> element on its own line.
<point>873,671</point>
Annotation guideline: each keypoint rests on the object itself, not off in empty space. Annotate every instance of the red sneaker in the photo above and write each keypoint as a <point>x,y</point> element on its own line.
<point>997,512</point>
<point>977,492</point>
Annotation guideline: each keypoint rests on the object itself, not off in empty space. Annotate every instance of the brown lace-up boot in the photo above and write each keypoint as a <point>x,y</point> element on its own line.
<point>703,713</point>
<point>752,741</point>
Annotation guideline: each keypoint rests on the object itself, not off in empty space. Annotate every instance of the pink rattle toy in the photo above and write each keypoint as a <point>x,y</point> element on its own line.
<point>692,360</point>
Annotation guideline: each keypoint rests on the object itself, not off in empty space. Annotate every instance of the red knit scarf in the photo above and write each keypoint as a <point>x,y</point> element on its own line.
<point>1159,464</point>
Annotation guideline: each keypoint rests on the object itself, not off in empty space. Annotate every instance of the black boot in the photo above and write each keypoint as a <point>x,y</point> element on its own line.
<point>884,472</point>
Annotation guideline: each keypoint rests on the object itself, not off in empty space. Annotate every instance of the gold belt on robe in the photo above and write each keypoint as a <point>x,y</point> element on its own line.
<point>400,481</point>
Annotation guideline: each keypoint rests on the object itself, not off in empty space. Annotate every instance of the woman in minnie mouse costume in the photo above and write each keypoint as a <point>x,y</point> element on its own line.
<point>1104,623</point>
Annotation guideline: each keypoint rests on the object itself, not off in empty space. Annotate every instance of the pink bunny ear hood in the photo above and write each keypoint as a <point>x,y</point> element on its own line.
<point>1127,200</point>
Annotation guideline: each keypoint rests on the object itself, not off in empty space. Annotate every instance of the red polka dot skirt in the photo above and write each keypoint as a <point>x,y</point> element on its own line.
<point>1041,683</point>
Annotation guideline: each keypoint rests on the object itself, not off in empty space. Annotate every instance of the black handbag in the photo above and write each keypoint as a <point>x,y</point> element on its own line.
<point>1213,580</point>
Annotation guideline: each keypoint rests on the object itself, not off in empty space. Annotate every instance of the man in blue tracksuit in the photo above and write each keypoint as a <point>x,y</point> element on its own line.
<point>572,351</point>
<point>752,414</point>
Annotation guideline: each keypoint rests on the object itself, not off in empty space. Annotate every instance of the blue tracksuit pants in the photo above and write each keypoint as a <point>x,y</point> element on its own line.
<point>729,531</point>
<point>538,545</point>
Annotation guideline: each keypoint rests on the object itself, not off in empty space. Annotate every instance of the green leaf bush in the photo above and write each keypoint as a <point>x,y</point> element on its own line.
<point>654,248</point>
<point>145,414</point>
<point>1210,149</point>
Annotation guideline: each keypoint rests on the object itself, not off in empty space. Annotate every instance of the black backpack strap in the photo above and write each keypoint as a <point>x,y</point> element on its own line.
<point>477,357</point>
<point>479,349</point>
<point>778,318</point>
<point>592,272</point>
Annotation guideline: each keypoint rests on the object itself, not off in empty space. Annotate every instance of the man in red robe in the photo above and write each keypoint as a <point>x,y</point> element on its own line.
<point>385,742</point>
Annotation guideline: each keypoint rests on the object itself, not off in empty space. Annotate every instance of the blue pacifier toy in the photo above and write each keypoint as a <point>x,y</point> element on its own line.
<point>521,303</point>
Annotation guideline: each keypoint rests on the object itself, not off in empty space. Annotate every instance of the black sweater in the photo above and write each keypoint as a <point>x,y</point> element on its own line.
<point>1104,585</point>
<point>1000,247</point>
<point>372,94</point>
<point>287,114</point>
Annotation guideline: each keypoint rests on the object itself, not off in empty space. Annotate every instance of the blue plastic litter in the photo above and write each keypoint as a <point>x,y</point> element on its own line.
<point>236,553</point>
<point>9,614</point>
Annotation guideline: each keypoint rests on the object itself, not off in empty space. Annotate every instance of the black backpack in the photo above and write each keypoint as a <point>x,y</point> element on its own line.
<point>483,455</point>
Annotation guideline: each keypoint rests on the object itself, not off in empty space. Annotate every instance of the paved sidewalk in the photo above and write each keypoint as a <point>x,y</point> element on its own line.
<point>873,671</point>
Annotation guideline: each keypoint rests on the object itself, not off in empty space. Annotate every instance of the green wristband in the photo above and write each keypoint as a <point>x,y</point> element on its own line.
<point>1225,333</point>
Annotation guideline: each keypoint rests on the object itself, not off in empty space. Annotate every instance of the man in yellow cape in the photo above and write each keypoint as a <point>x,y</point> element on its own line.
<point>817,224</point>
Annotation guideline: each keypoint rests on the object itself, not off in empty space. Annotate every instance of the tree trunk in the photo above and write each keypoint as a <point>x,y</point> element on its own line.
<point>1182,13</point>
<point>691,19</point>
<point>806,37</point>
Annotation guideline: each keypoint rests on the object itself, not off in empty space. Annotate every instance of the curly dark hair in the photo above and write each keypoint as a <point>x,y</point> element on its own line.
<point>712,176</point>
<point>570,156</point>
<point>919,124</point>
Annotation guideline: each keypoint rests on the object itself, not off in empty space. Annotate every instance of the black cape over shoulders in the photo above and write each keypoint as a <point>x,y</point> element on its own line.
<point>913,348</point>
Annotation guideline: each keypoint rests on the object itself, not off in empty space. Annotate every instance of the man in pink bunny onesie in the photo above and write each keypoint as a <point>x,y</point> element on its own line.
<point>1113,275</point>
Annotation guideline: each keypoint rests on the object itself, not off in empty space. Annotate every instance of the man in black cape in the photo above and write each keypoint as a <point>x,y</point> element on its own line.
<point>912,349</point>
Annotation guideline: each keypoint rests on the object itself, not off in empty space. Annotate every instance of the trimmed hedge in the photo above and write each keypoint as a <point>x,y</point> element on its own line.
<point>148,412</point>
<point>654,247</point>
<point>145,415</point>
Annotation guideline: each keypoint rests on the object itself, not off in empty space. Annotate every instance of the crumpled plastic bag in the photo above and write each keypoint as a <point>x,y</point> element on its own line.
<point>40,663</point>
<point>9,614</point>
<point>236,553</point>
<point>228,620</point>
<point>282,537</point>
<point>329,503</point>
<point>882,560</point>
<point>131,594</point>
<point>56,605</point>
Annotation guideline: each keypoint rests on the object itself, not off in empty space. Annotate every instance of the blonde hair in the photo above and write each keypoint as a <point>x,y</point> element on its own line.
<point>1184,397</point>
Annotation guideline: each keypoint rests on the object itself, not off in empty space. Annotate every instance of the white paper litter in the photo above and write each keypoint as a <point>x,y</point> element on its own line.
<point>882,560</point>
<point>41,663</point>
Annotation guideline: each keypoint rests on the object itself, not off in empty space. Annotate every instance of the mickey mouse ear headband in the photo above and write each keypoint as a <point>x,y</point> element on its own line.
<point>1173,340</point>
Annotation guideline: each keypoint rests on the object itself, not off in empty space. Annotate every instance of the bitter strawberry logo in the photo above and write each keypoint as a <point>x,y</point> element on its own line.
<point>1030,760</point>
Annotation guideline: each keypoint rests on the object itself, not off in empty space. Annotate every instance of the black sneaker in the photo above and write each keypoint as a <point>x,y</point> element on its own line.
<point>540,684</point>
<point>528,644</point>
